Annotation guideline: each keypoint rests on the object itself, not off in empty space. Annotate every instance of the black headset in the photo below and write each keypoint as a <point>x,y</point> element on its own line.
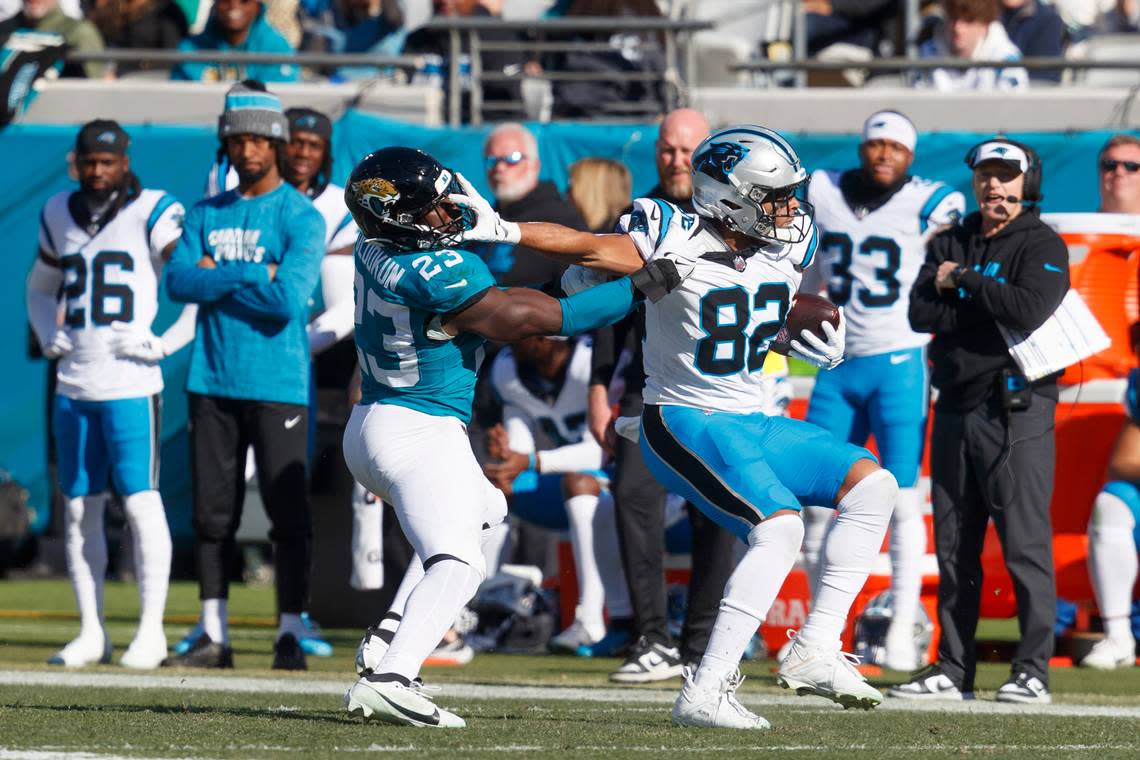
<point>1031,192</point>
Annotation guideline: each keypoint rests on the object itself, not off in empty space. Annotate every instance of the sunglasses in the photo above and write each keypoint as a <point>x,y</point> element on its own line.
<point>514,158</point>
<point>1110,164</point>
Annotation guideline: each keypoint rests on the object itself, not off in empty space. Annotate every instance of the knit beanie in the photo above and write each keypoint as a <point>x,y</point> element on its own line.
<point>250,111</point>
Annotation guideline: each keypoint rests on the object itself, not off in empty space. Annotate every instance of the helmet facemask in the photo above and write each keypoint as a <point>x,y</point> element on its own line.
<point>410,232</point>
<point>771,212</point>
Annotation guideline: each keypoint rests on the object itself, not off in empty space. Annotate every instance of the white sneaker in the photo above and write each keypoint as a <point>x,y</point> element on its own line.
<point>392,702</point>
<point>146,651</point>
<point>370,651</point>
<point>83,651</point>
<point>899,650</point>
<point>930,683</point>
<point>648,663</point>
<point>783,653</point>
<point>714,708</point>
<point>453,653</point>
<point>1110,654</point>
<point>1024,689</point>
<point>827,673</point>
<point>573,637</point>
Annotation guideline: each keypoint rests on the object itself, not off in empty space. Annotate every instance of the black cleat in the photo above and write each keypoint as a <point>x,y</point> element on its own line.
<point>203,653</point>
<point>288,655</point>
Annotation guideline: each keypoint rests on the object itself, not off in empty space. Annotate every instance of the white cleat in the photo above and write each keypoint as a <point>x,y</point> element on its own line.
<point>714,708</point>
<point>370,652</point>
<point>146,652</point>
<point>391,702</point>
<point>83,651</point>
<point>900,652</point>
<point>1110,654</point>
<point>828,673</point>
<point>576,635</point>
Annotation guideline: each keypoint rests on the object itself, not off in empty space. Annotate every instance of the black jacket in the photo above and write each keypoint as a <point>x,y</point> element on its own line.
<point>1017,279</point>
<point>516,266</point>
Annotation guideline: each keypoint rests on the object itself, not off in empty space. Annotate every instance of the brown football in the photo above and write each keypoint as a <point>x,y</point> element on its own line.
<point>808,312</point>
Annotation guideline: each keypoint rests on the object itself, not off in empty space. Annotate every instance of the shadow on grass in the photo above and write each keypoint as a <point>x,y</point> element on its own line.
<point>189,708</point>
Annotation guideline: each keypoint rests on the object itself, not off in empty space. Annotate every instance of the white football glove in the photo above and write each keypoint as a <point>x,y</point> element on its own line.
<point>578,278</point>
<point>60,345</point>
<point>489,226</point>
<point>138,343</point>
<point>823,354</point>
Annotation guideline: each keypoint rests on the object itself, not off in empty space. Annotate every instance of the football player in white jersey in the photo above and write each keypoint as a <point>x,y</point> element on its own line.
<point>103,247</point>
<point>703,432</point>
<point>547,461</point>
<point>873,223</point>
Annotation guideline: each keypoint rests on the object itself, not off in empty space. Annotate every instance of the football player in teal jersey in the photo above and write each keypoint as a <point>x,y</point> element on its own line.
<point>423,311</point>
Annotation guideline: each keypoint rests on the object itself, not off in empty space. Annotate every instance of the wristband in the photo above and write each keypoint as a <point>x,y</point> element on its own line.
<point>532,461</point>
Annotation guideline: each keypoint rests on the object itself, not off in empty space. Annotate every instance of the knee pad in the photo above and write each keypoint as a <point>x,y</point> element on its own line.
<point>877,493</point>
<point>1117,507</point>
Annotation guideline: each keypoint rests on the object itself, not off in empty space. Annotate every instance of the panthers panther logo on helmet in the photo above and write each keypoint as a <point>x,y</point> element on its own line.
<point>376,194</point>
<point>719,158</point>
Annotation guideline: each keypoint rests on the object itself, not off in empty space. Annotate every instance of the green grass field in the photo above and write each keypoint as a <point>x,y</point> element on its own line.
<point>253,712</point>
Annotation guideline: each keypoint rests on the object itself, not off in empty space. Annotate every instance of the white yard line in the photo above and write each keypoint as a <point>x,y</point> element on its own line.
<point>299,686</point>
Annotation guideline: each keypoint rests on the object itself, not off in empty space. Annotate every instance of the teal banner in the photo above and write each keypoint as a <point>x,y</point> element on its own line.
<point>177,158</point>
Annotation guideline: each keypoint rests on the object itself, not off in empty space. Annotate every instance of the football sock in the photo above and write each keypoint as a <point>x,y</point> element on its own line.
<point>607,553</point>
<point>152,550</point>
<point>581,510</point>
<point>412,576</point>
<point>907,547</point>
<point>431,609</point>
<point>748,595</point>
<point>817,521</point>
<point>494,545</point>
<point>1112,559</point>
<point>367,540</point>
<point>214,620</point>
<point>851,548</point>
<point>86,546</point>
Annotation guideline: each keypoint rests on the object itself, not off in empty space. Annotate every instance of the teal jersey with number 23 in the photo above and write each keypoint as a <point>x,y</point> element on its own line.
<point>398,295</point>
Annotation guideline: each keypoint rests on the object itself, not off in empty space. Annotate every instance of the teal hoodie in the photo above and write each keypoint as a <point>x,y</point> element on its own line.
<point>262,38</point>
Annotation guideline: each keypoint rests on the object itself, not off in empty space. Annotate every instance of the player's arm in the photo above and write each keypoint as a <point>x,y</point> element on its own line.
<point>337,320</point>
<point>286,297</point>
<point>517,313</point>
<point>42,288</point>
<point>190,278</point>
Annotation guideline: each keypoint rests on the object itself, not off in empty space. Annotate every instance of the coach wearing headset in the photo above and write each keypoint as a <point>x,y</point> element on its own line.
<point>992,445</point>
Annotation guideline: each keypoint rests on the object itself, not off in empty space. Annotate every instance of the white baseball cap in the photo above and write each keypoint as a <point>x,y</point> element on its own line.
<point>999,150</point>
<point>890,125</point>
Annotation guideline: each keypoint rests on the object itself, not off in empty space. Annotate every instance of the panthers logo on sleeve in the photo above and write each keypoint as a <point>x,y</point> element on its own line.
<point>719,158</point>
<point>376,194</point>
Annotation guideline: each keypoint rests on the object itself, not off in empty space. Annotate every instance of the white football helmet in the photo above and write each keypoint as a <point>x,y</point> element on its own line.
<point>737,169</point>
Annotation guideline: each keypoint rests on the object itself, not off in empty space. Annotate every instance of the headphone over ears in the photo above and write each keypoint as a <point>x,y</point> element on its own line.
<point>1032,189</point>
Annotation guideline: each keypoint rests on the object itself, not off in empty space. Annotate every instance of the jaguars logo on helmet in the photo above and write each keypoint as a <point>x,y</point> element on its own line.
<point>718,159</point>
<point>870,639</point>
<point>375,194</point>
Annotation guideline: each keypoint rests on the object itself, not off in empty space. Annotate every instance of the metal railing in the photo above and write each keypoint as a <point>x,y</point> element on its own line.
<point>929,64</point>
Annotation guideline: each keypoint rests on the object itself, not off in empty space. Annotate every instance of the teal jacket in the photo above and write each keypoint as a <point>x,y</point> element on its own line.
<point>262,38</point>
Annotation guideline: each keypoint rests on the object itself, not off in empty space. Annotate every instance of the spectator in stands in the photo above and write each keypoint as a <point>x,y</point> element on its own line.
<point>357,26</point>
<point>139,24</point>
<point>854,22</point>
<point>640,499</point>
<point>511,156</point>
<point>250,258</point>
<point>1114,525</point>
<point>237,26</point>
<point>46,16</point>
<point>601,190</point>
<point>434,44</point>
<point>633,53</point>
<point>970,31</point>
<point>1037,30</point>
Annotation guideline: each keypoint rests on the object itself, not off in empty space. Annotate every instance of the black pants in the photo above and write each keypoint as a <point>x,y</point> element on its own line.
<point>221,430</point>
<point>640,503</point>
<point>988,463</point>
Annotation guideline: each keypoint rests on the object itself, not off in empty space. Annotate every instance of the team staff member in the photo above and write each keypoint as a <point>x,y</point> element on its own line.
<point>992,445</point>
<point>250,258</point>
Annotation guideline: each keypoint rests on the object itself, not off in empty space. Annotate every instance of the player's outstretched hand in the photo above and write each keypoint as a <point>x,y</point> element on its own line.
<point>60,345</point>
<point>487,226</point>
<point>823,354</point>
<point>138,343</point>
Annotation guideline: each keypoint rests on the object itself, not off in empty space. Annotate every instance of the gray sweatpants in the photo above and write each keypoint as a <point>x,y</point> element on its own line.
<point>988,463</point>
